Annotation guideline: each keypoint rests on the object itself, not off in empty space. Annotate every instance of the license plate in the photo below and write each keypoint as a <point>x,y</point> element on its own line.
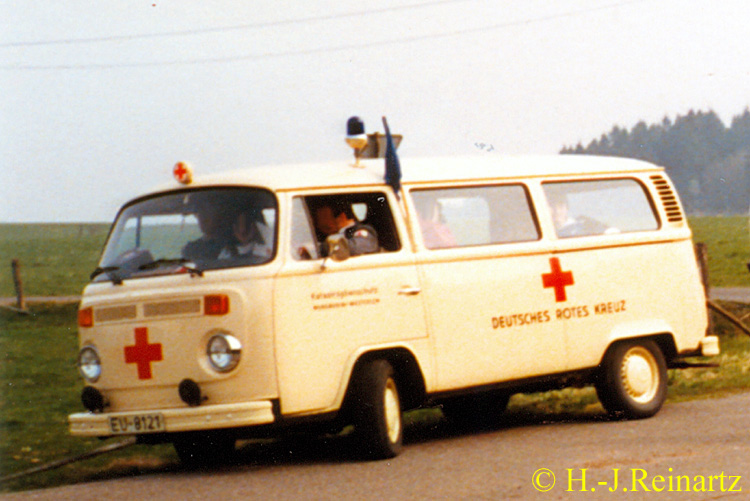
<point>136,423</point>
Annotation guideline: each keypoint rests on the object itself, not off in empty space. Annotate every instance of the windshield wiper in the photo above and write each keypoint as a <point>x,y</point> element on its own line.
<point>110,271</point>
<point>191,268</point>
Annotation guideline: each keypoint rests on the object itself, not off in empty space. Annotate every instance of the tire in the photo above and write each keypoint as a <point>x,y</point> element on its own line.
<point>204,449</point>
<point>633,381</point>
<point>378,423</point>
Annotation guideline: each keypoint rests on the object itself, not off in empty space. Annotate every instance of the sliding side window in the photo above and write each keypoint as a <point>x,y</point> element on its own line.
<point>481,215</point>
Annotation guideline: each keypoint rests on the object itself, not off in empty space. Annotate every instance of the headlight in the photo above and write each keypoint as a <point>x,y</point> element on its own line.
<point>89,364</point>
<point>223,352</point>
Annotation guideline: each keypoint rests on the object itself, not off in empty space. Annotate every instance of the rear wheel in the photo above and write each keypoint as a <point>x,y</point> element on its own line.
<point>377,415</point>
<point>633,381</point>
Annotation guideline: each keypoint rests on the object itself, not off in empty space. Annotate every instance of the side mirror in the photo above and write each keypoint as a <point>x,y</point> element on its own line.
<point>338,247</point>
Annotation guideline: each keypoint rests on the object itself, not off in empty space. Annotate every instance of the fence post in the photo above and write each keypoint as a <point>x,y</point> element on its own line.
<point>701,254</point>
<point>18,283</point>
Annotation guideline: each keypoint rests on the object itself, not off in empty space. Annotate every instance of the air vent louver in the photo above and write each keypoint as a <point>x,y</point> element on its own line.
<point>668,199</point>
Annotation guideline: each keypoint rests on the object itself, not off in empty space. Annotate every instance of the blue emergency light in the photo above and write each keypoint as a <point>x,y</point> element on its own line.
<point>356,137</point>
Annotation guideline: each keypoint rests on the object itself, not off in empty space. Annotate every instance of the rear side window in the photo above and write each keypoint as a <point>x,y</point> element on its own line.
<point>600,207</point>
<point>481,215</point>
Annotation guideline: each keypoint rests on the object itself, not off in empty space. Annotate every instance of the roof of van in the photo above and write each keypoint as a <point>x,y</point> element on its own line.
<point>414,171</point>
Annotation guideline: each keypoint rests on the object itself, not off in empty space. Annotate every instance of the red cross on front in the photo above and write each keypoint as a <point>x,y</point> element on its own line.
<point>142,353</point>
<point>557,279</point>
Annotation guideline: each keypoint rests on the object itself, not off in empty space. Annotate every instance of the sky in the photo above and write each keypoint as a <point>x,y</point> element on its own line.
<point>98,100</point>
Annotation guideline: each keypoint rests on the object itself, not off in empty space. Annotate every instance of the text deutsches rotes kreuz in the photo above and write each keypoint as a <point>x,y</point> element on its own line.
<point>567,313</point>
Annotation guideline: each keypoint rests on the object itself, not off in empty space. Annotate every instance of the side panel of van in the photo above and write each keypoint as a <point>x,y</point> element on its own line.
<point>630,264</point>
<point>481,260</point>
<point>630,291</point>
<point>518,288</point>
<point>327,312</point>
<point>490,320</point>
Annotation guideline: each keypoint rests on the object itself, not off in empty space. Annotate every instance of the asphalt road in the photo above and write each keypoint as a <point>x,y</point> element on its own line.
<point>737,294</point>
<point>692,450</point>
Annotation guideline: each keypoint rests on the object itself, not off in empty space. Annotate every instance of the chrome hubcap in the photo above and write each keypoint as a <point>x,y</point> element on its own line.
<point>640,374</point>
<point>392,411</point>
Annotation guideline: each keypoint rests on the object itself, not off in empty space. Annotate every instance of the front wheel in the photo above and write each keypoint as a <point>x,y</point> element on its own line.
<point>633,381</point>
<point>378,422</point>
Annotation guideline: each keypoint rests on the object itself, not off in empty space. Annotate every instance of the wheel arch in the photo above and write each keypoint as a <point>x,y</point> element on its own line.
<point>407,371</point>
<point>664,340</point>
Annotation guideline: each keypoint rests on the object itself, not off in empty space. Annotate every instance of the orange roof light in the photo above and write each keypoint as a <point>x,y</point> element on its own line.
<point>182,172</point>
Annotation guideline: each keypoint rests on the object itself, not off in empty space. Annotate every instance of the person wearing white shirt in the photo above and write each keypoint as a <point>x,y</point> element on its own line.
<point>248,241</point>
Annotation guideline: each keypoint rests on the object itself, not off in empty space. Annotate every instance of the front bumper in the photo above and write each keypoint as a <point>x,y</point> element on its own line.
<point>208,417</point>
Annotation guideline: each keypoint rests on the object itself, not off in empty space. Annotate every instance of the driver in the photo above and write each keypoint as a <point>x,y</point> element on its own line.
<point>208,246</point>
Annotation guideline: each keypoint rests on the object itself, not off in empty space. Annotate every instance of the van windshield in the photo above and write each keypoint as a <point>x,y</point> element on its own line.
<point>190,231</point>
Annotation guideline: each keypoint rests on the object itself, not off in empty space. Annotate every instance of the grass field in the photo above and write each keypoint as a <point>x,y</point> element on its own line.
<point>40,385</point>
<point>57,259</point>
<point>728,241</point>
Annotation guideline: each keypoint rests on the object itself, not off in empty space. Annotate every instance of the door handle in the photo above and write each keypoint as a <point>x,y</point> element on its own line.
<point>409,291</point>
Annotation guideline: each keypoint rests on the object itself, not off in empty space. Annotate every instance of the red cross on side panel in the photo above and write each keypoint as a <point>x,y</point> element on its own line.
<point>142,353</point>
<point>557,279</point>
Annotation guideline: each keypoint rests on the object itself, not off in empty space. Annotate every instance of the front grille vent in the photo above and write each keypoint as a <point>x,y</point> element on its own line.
<point>183,307</point>
<point>169,308</point>
<point>114,313</point>
<point>668,199</point>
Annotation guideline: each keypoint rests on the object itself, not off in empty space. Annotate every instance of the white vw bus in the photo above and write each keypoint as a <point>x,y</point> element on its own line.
<point>223,307</point>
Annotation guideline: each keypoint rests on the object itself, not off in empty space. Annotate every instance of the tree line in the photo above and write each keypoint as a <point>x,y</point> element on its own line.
<point>708,162</point>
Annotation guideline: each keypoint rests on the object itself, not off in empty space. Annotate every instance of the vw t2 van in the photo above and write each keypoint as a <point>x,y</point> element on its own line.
<point>257,300</point>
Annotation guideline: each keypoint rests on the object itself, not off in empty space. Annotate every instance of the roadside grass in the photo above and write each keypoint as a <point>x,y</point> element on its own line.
<point>40,387</point>
<point>732,374</point>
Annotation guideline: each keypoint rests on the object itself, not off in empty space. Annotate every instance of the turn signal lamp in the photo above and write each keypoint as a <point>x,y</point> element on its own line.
<point>86,317</point>
<point>216,304</point>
